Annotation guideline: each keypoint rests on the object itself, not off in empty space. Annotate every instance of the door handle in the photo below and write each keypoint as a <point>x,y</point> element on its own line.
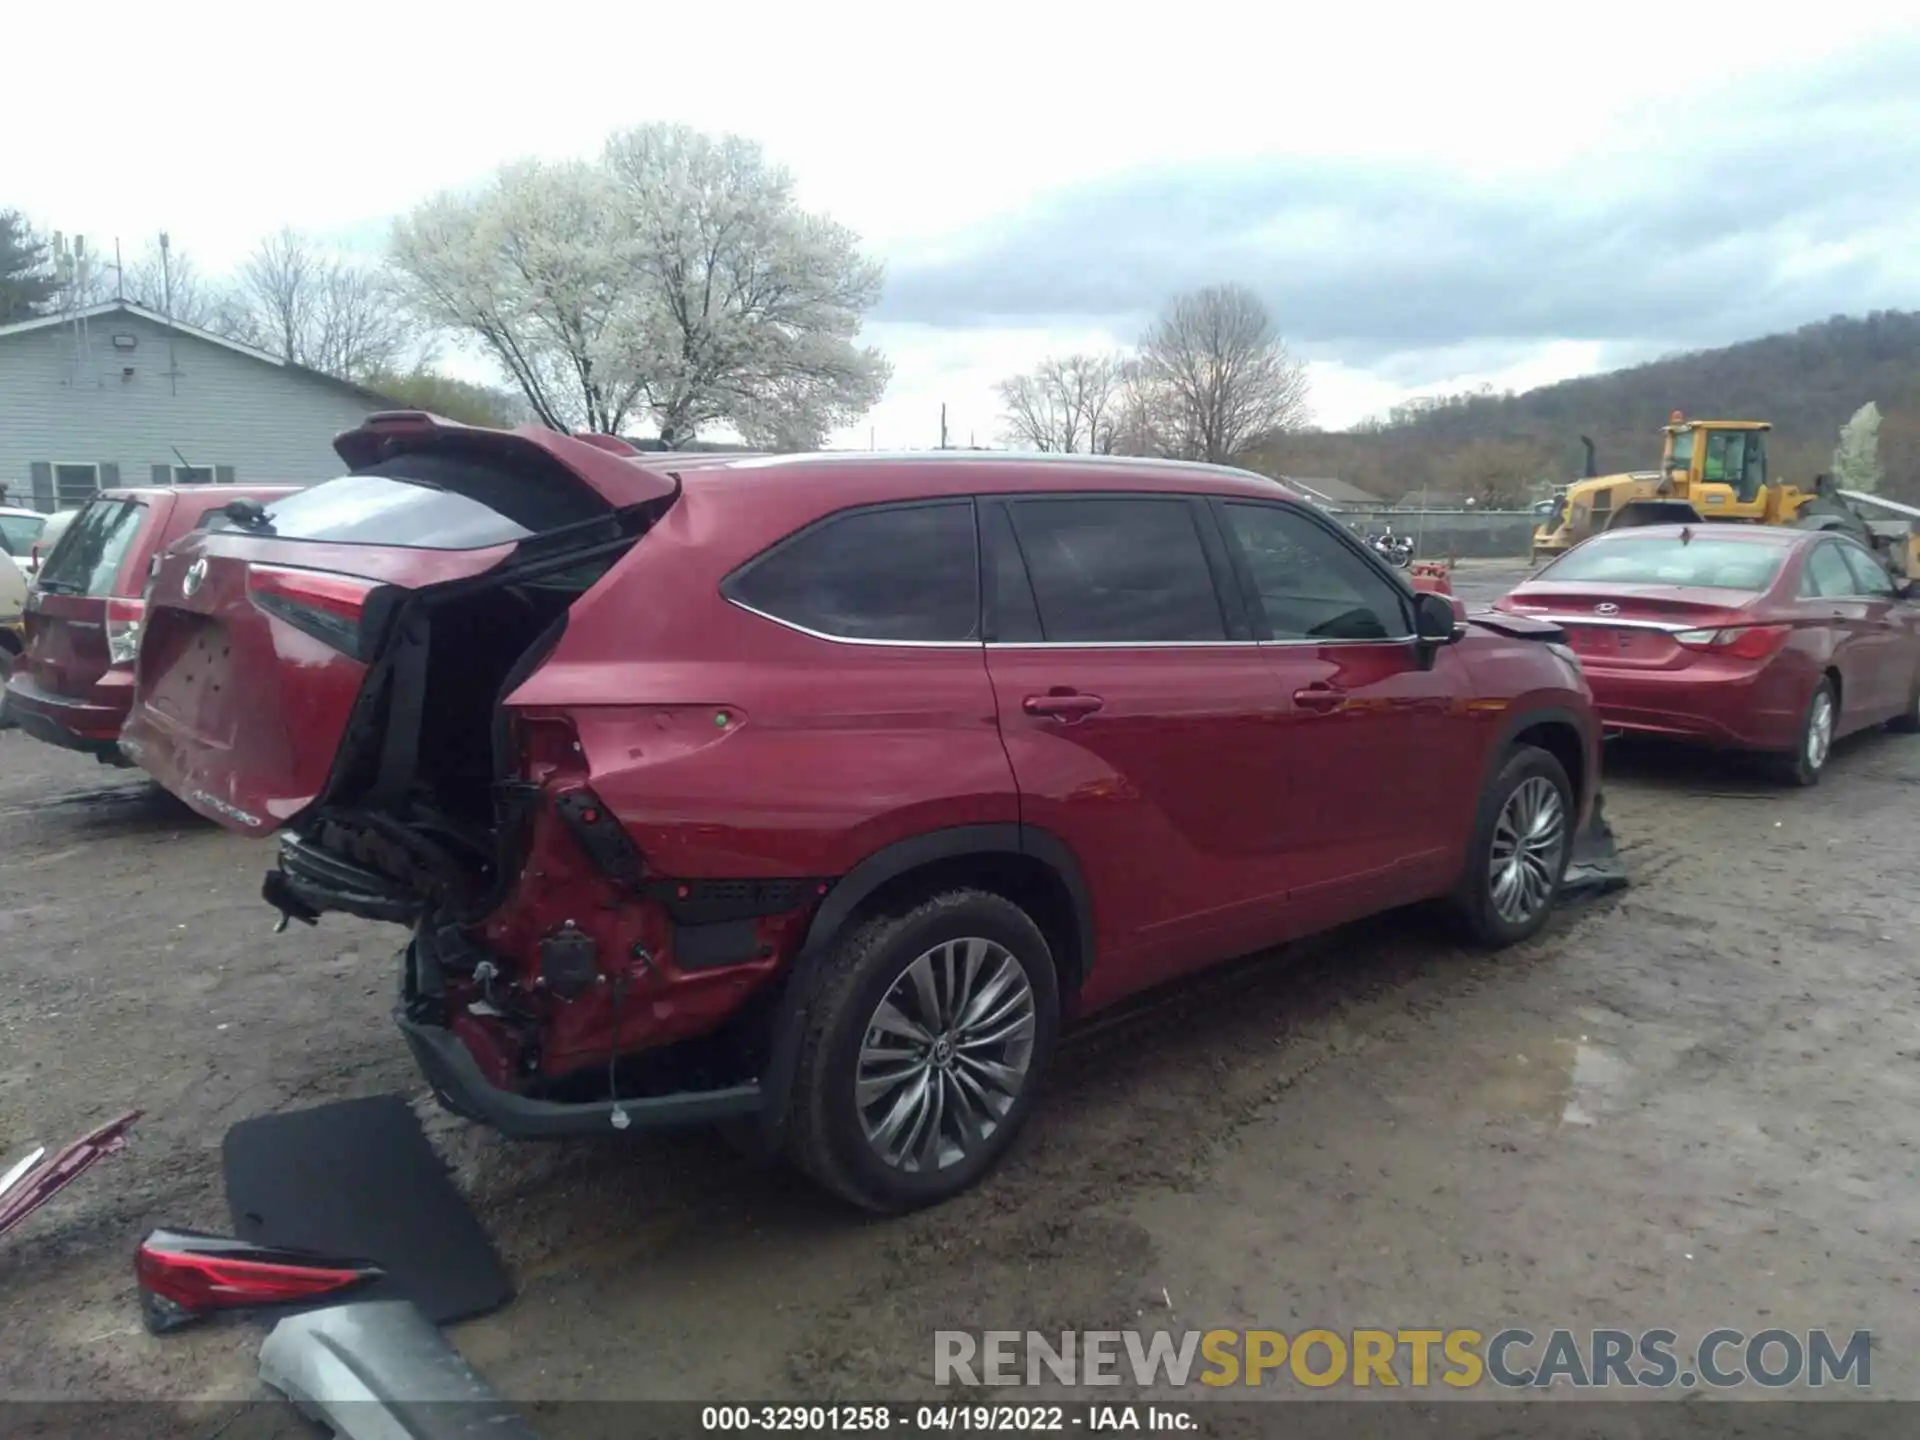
<point>1062,705</point>
<point>1319,698</point>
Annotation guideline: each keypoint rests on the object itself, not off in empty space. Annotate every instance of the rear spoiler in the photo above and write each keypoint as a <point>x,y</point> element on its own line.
<point>1519,627</point>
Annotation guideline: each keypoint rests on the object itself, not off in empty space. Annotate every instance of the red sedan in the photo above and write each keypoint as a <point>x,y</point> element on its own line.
<point>1772,640</point>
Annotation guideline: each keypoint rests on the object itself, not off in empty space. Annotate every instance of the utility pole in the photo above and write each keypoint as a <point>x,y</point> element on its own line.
<point>166,292</point>
<point>943,425</point>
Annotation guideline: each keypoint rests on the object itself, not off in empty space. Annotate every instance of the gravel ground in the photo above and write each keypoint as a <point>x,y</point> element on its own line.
<point>1688,1106</point>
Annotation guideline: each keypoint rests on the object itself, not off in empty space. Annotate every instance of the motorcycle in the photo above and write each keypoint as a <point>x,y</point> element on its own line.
<point>1396,550</point>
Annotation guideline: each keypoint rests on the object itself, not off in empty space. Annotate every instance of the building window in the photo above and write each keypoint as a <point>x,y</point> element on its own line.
<point>74,485</point>
<point>193,475</point>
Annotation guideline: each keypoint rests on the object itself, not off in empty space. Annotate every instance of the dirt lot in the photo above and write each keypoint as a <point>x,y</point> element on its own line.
<point>1689,1106</point>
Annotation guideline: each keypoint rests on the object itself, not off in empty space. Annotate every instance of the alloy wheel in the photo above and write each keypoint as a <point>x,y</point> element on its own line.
<point>1820,731</point>
<point>1527,842</point>
<point>945,1055</point>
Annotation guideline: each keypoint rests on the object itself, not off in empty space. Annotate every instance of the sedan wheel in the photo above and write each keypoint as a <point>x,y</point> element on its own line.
<point>1808,758</point>
<point>946,1055</point>
<point>1529,843</point>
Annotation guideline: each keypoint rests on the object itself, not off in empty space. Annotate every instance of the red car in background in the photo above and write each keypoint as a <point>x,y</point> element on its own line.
<point>73,684</point>
<point>1764,639</point>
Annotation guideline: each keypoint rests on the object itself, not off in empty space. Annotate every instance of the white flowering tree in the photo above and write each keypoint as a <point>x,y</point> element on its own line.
<point>676,280</point>
<point>1856,459</point>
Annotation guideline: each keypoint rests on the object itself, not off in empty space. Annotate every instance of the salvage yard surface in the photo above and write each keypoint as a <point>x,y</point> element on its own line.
<point>1695,1104</point>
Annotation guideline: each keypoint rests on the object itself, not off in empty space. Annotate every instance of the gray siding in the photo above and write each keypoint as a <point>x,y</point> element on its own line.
<point>63,403</point>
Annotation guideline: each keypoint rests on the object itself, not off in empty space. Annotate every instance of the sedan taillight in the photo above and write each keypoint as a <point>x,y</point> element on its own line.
<point>1739,642</point>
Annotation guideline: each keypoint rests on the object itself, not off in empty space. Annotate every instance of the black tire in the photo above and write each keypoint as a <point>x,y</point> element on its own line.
<point>825,1134</point>
<point>1805,763</point>
<point>1908,722</point>
<point>1474,902</point>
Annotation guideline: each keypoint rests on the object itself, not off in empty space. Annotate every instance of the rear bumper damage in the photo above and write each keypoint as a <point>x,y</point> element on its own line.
<point>462,1087</point>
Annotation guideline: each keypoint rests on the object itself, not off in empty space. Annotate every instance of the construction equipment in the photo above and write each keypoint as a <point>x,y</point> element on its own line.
<point>1716,471</point>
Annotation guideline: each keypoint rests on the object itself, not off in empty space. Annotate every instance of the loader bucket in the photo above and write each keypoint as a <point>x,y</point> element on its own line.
<point>1654,512</point>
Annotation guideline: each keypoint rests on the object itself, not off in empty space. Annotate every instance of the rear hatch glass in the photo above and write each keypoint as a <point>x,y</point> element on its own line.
<point>89,556</point>
<point>1700,562</point>
<point>262,627</point>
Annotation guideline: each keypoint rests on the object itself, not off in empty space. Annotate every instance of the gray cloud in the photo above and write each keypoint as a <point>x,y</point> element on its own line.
<point>1779,201</point>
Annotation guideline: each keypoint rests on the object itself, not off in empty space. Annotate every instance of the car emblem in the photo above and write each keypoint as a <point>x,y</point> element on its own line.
<point>190,582</point>
<point>1605,607</point>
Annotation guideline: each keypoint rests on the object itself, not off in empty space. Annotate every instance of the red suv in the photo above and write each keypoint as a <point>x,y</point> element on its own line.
<point>73,684</point>
<point>814,794</point>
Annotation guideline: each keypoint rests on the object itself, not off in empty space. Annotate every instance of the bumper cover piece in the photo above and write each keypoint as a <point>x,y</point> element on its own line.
<point>32,1183</point>
<point>1594,868</point>
<point>459,1086</point>
<point>378,1371</point>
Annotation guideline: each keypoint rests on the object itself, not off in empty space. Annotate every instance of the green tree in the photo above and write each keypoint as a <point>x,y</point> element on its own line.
<point>26,284</point>
<point>460,400</point>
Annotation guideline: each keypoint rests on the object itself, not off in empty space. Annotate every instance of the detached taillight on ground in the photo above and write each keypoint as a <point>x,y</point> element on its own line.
<point>124,619</point>
<point>329,607</point>
<point>1740,642</point>
<point>185,1275</point>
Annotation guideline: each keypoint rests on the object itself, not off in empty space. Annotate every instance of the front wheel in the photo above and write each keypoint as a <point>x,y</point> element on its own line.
<point>1807,761</point>
<point>924,1046</point>
<point>1522,840</point>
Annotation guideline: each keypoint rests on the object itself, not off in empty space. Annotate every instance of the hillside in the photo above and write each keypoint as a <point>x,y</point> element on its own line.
<point>1807,383</point>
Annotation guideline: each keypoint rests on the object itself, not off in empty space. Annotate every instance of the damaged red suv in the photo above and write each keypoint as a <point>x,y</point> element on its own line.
<point>814,794</point>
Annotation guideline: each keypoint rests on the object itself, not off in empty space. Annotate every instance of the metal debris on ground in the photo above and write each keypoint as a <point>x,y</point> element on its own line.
<point>31,1183</point>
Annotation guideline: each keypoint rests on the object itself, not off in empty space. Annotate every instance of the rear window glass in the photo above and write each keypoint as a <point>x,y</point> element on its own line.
<point>1669,560</point>
<point>430,502</point>
<point>90,554</point>
<point>18,532</point>
<point>906,573</point>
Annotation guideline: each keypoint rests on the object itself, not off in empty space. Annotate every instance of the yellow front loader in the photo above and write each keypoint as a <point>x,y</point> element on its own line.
<point>1710,470</point>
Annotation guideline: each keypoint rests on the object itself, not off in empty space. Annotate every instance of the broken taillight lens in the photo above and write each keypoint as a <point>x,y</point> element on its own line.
<point>1740,642</point>
<point>124,619</point>
<point>185,1275</point>
<point>329,607</point>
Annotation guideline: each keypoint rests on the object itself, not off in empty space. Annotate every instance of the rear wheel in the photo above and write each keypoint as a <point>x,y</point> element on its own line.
<point>1908,722</point>
<point>924,1046</point>
<point>1806,762</point>
<point>1522,840</point>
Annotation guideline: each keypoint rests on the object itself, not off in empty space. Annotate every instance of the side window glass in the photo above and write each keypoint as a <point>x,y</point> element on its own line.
<point>1311,586</point>
<point>1118,571</point>
<point>1016,616</point>
<point>1869,576</point>
<point>1827,575</point>
<point>906,573</point>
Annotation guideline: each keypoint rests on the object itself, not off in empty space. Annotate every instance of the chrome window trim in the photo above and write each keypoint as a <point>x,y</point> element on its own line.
<point>811,634</point>
<point>853,639</point>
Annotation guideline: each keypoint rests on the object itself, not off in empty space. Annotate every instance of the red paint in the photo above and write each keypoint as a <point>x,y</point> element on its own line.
<point>1216,798</point>
<point>67,684</point>
<point>1749,690</point>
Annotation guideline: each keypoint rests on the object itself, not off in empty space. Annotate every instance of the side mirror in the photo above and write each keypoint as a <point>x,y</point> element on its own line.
<point>1434,622</point>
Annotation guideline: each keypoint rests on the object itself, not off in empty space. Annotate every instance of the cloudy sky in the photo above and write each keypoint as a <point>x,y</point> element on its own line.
<point>1427,196</point>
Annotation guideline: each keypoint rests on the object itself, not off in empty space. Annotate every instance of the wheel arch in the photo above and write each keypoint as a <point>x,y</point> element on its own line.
<point>1558,730</point>
<point>1028,864</point>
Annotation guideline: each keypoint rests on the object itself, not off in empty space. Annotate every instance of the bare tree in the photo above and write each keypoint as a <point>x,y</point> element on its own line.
<point>320,310</point>
<point>1063,405</point>
<point>676,279</point>
<point>1214,378</point>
